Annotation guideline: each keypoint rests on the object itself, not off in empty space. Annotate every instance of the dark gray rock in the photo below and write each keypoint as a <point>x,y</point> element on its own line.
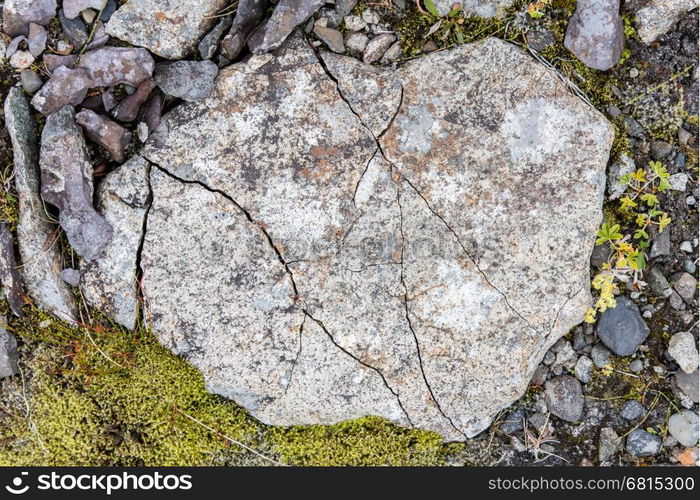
<point>42,261</point>
<point>103,131</point>
<point>31,82</point>
<point>74,29</point>
<point>66,182</point>
<point>109,66</point>
<point>632,410</point>
<point>210,43</point>
<point>128,109</point>
<point>18,14</point>
<point>583,369</point>
<point>9,275</point>
<point>249,15</point>
<point>600,255</point>
<point>600,355</point>
<point>288,14</point>
<point>661,245</point>
<point>660,149</point>
<point>622,328</point>
<point>564,398</point>
<point>187,80</point>
<point>344,7</point>
<point>8,354</point>
<point>540,375</point>
<point>658,283</point>
<point>153,110</point>
<point>595,33</point>
<point>643,444</point>
<point>514,422</point>
<point>66,86</point>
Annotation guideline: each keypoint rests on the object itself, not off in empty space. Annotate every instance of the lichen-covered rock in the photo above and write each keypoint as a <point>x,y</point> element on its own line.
<point>40,255</point>
<point>657,17</point>
<point>18,14</point>
<point>103,131</point>
<point>288,14</point>
<point>416,280</point>
<point>109,281</point>
<point>66,183</point>
<point>249,14</point>
<point>187,80</point>
<point>595,33</point>
<point>109,66</point>
<point>66,86</point>
<point>169,28</point>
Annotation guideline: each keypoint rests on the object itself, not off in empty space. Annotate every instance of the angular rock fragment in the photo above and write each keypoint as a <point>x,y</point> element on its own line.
<point>564,398</point>
<point>683,348</point>
<point>103,131</point>
<point>641,443</point>
<point>36,236</point>
<point>595,33</point>
<point>53,61</point>
<point>9,276</point>
<point>377,46</point>
<point>21,60</point>
<point>622,328</point>
<point>66,183</point>
<point>187,80</point>
<point>249,15</point>
<point>109,66</point>
<point>684,427</point>
<point>74,29</point>
<point>331,37</point>
<point>657,17</point>
<point>372,276</point>
<point>288,14</point>
<point>8,354</point>
<point>168,28</point>
<point>128,109</point>
<point>153,110</point>
<point>73,8</point>
<point>31,82</point>
<point>210,43</point>
<point>18,14</point>
<point>66,86</point>
<point>36,41</point>
<point>109,282</point>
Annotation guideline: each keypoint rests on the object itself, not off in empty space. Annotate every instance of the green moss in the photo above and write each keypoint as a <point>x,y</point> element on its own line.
<point>101,395</point>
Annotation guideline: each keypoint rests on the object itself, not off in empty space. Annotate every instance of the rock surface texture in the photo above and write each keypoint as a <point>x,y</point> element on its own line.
<point>322,260</point>
<point>657,17</point>
<point>595,33</point>
<point>169,28</point>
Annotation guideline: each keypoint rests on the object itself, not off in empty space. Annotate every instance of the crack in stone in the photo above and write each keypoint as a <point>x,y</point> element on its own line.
<point>363,363</point>
<point>291,277</point>
<point>296,357</point>
<point>359,181</point>
<point>410,324</point>
<point>141,297</point>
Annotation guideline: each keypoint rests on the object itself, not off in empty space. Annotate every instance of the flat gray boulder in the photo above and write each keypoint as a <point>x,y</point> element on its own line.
<point>319,260</point>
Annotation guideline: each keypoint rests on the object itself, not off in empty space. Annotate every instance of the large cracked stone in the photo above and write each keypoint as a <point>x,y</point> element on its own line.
<point>321,260</point>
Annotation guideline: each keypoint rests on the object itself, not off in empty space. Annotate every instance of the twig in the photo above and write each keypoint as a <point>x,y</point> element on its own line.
<point>234,441</point>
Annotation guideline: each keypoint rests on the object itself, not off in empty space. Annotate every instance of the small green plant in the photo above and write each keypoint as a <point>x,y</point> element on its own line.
<point>627,260</point>
<point>536,9</point>
<point>451,23</point>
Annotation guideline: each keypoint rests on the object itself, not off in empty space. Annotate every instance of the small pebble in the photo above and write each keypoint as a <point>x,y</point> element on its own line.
<point>71,276</point>
<point>64,48</point>
<point>689,266</point>
<point>636,366</point>
<point>632,410</point>
<point>687,247</point>
<point>690,201</point>
<point>31,82</point>
<point>370,17</point>
<point>634,73</point>
<point>641,443</point>
<point>21,60</point>
<point>355,23</point>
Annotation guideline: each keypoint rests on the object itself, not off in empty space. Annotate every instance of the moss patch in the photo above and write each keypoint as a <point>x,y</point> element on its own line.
<point>101,395</point>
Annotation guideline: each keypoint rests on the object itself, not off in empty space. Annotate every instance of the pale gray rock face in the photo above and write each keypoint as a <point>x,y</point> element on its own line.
<point>66,183</point>
<point>683,348</point>
<point>288,14</point>
<point>315,277</point>
<point>657,17</point>
<point>169,28</point>
<point>40,254</point>
<point>8,354</point>
<point>36,40</point>
<point>249,14</point>
<point>188,80</point>
<point>480,8</point>
<point>109,66</point>
<point>103,131</point>
<point>595,33</point>
<point>684,427</point>
<point>109,281</point>
<point>66,86</point>
<point>73,8</point>
<point>18,14</point>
